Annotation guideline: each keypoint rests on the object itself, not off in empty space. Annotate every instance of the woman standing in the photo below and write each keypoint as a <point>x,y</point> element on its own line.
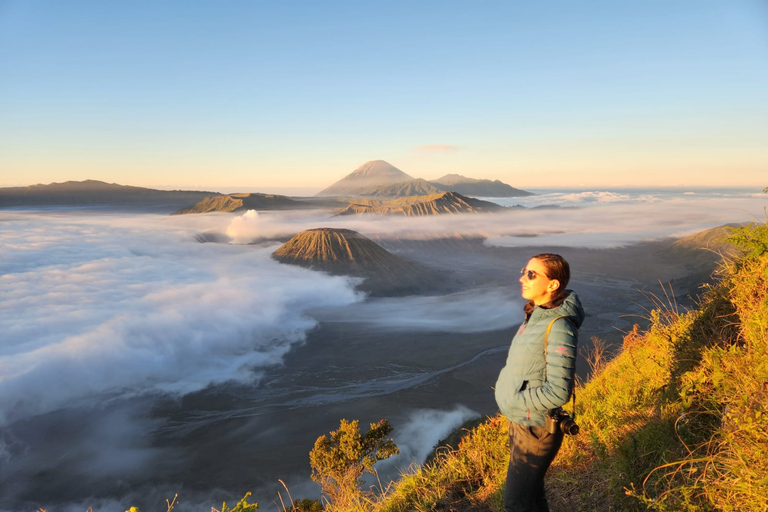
<point>533,383</point>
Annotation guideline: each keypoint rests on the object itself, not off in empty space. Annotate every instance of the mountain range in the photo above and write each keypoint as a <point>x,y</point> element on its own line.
<point>254,201</point>
<point>378,178</point>
<point>97,193</point>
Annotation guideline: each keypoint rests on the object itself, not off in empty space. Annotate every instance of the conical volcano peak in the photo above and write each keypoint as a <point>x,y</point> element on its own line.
<point>381,170</point>
<point>370,175</point>
<point>321,246</point>
<point>347,252</point>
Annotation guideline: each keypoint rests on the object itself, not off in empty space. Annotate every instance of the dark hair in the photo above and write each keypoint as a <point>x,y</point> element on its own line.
<point>556,268</point>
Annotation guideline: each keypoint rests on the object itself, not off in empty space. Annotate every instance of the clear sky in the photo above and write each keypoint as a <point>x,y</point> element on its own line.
<point>268,95</point>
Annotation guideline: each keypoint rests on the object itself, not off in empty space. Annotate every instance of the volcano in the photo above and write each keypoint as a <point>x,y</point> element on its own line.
<point>370,175</point>
<point>347,252</point>
<point>380,179</point>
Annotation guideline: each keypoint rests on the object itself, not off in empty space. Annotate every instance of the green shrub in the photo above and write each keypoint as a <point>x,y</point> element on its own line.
<point>338,462</point>
<point>242,505</point>
<point>752,238</point>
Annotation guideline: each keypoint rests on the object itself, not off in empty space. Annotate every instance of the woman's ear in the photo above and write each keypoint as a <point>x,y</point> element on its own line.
<point>553,285</point>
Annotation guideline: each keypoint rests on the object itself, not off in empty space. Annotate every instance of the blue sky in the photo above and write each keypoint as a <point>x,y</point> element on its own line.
<point>265,96</point>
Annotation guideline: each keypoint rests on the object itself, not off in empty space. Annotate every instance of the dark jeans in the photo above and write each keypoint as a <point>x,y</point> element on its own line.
<point>532,450</point>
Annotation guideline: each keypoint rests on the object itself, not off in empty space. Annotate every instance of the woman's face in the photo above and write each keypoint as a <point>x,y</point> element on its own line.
<point>539,288</point>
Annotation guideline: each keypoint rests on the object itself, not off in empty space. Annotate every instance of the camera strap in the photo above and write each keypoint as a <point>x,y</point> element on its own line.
<point>546,343</point>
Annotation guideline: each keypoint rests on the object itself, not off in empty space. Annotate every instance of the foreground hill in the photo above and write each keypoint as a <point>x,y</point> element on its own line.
<point>434,204</point>
<point>700,253</point>
<point>347,252</point>
<point>711,240</point>
<point>96,193</point>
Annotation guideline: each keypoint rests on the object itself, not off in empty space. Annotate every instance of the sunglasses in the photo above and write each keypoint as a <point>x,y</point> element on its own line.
<point>530,274</point>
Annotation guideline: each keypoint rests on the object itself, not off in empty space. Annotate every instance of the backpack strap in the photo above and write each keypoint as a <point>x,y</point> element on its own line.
<point>546,343</point>
<point>546,340</point>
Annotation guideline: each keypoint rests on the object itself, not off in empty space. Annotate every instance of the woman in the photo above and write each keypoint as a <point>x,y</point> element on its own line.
<point>532,383</point>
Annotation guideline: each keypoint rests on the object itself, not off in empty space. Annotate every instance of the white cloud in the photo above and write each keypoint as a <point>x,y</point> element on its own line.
<point>134,305</point>
<point>604,219</point>
<point>475,310</point>
<point>421,431</point>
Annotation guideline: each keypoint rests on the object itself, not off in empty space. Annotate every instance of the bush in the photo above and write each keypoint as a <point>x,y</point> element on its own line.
<point>338,462</point>
<point>242,505</point>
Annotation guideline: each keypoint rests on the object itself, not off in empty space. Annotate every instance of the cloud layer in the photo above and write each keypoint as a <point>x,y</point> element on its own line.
<point>476,310</point>
<point>129,305</point>
<point>420,432</point>
<point>591,219</point>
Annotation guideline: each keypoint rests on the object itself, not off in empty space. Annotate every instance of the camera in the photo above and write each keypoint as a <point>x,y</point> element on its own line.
<point>558,419</point>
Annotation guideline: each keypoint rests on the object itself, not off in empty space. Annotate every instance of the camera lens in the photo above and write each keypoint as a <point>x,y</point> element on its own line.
<point>569,427</point>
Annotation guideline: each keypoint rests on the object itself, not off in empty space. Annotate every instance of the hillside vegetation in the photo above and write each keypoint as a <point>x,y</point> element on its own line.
<point>677,421</point>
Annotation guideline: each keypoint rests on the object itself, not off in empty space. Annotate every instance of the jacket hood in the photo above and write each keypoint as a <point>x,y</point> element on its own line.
<point>570,308</point>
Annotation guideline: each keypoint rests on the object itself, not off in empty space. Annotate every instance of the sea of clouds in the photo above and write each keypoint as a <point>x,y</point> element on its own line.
<point>587,219</point>
<point>124,305</point>
<point>101,313</point>
<point>106,304</point>
<point>97,308</point>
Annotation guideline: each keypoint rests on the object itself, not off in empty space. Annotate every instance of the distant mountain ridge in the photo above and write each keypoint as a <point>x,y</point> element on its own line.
<point>242,202</point>
<point>413,206</point>
<point>96,193</point>
<point>381,179</point>
<point>475,187</point>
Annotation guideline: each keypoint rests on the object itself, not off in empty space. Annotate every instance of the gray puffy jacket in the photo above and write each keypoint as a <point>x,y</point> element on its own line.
<point>521,392</point>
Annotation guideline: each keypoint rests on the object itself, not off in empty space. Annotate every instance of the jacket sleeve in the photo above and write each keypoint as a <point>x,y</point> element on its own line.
<point>561,370</point>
